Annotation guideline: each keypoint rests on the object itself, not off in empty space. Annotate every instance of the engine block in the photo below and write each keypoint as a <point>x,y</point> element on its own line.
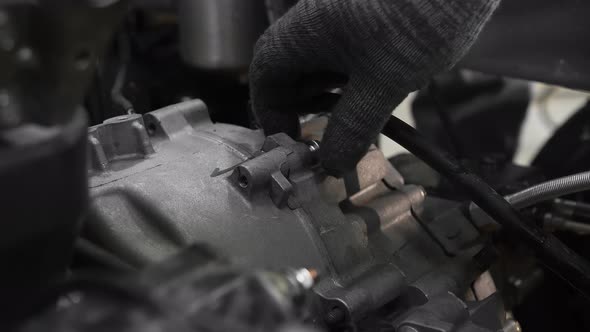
<point>170,178</point>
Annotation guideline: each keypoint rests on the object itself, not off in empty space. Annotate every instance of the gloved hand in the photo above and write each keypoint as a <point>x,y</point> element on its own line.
<point>384,48</point>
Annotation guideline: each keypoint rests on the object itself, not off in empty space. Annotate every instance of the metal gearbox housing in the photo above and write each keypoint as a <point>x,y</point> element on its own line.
<point>171,178</point>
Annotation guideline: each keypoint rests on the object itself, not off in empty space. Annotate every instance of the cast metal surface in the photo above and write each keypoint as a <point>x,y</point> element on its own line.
<point>264,203</point>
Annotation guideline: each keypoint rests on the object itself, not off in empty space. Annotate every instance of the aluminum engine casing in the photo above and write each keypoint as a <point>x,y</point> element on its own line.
<point>158,185</point>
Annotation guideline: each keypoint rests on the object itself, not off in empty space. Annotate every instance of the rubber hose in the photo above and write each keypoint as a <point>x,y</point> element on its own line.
<point>551,252</point>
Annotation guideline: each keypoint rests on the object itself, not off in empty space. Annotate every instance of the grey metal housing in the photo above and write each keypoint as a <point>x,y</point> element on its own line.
<point>172,178</point>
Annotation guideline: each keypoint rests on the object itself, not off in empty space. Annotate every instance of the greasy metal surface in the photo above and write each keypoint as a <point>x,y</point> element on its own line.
<point>177,181</point>
<point>262,202</point>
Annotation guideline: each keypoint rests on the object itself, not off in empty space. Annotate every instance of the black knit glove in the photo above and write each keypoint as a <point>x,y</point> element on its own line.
<point>384,48</point>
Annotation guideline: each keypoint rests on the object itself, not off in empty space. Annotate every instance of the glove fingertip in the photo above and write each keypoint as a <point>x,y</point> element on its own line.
<point>274,122</point>
<point>341,157</point>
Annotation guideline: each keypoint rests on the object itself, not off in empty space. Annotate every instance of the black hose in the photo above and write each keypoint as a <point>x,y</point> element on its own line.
<point>551,252</point>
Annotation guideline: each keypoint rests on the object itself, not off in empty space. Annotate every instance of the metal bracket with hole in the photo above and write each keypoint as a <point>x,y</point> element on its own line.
<point>270,171</point>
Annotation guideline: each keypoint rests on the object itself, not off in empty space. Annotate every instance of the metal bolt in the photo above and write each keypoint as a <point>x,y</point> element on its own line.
<point>314,146</point>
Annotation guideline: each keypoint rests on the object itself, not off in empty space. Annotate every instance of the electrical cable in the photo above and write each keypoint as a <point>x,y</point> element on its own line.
<point>551,252</point>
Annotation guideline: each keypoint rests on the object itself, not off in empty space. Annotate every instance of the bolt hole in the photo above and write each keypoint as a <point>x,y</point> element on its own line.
<point>82,60</point>
<point>151,128</point>
<point>243,181</point>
